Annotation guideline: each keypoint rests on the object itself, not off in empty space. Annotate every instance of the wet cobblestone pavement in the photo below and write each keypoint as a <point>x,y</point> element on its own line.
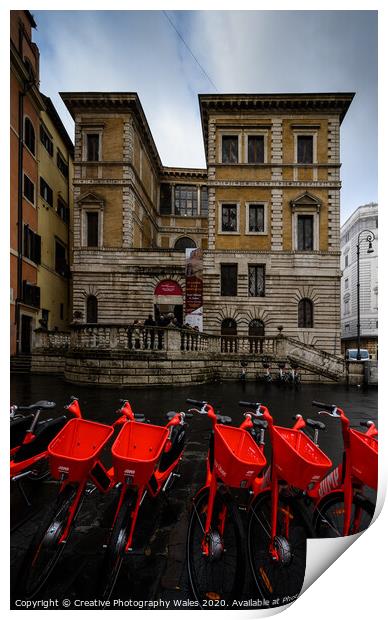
<point>156,567</point>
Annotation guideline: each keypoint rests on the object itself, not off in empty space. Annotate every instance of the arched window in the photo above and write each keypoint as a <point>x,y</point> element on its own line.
<point>305,313</point>
<point>91,309</point>
<point>184,242</point>
<point>29,135</point>
<point>228,327</point>
<point>256,328</point>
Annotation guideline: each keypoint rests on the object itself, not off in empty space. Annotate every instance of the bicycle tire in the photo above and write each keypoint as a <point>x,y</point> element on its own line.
<point>44,551</point>
<point>115,550</point>
<point>219,580</point>
<point>278,581</point>
<point>328,515</point>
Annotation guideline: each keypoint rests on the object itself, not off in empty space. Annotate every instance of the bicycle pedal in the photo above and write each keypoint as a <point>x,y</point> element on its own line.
<point>242,508</point>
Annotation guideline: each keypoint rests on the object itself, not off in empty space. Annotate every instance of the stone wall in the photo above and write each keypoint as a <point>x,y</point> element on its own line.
<point>125,369</point>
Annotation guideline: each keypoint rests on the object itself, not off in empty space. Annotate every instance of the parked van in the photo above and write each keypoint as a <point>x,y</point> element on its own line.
<point>351,355</point>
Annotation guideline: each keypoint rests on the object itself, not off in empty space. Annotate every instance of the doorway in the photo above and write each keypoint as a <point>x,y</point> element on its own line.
<point>26,334</point>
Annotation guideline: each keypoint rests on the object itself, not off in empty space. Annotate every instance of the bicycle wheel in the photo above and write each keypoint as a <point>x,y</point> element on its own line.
<point>281,578</point>
<point>45,549</point>
<point>115,550</point>
<point>328,518</point>
<point>219,576</point>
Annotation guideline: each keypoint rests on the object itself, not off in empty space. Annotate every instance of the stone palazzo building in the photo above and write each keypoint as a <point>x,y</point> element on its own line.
<point>265,211</point>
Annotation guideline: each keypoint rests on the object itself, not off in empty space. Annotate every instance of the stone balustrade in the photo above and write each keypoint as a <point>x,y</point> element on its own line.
<point>117,337</point>
<point>155,345</point>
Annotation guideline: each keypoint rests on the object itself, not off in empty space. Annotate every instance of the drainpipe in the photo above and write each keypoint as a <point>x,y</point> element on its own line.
<point>26,87</point>
<point>20,220</point>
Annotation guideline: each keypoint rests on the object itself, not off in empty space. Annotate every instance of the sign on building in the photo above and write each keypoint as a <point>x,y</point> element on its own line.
<point>194,288</point>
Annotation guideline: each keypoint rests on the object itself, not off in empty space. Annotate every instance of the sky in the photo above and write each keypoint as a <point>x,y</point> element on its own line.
<point>235,51</point>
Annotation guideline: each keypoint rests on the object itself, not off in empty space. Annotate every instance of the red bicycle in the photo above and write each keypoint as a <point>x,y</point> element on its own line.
<point>29,440</point>
<point>74,456</point>
<point>215,538</point>
<point>145,458</point>
<point>341,508</point>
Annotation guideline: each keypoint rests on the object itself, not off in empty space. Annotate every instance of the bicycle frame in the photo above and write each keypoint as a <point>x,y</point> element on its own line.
<point>158,479</point>
<point>341,478</point>
<point>270,480</point>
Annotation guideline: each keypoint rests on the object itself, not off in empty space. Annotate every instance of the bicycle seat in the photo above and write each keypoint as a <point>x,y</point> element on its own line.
<point>41,404</point>
<point>316,424</point>
<point>260,423</point>
<point>224,419</point>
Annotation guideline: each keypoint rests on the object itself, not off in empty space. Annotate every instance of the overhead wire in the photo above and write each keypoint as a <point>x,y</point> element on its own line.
<point>189,50</point>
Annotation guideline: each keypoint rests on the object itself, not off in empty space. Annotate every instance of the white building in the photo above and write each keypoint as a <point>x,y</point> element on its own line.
<point>364,218</point>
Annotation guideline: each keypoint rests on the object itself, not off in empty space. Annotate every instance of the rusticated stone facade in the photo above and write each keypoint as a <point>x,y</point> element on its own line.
<point>265,211</point>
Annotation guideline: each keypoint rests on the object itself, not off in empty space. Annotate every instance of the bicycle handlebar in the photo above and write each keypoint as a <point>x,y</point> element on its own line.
<point>199,403</point>
<point>244,403</point>
<point>367,424</point>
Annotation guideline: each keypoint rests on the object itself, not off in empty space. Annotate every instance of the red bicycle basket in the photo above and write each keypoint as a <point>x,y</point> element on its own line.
<point>136,450</point>
<point>237,458</point>
<point>364,456</point>
<point>75,450</point>
<point>297,459</point>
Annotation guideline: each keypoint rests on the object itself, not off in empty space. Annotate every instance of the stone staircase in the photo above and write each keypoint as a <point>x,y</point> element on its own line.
<point>20,364</point>
<point>314,360</point>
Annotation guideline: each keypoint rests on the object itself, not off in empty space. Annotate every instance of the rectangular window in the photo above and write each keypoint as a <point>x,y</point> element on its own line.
<point>305,149</point>
<point>46,140</point>
<point>305,232</point>
<point>92,224</point>
<point>347,327</point>
<point>255,149</point>
<point>347,283</point>
<point>229,218</point>
<point>93,147</point>
<point>165,199</point>
<point>204,202</point>
<point>229,149</point>
<point>186,200</point>
<point>46,192</point>
<point>63,210</point>
<point>60,259</point>
<point>29,189</point>
<point>346,260</point>
<point>32,245</point>
<point>31,294</point>
<point>256,218</point>
<point>229,280</point>
<point>62,165</point>
<point>256,280</point>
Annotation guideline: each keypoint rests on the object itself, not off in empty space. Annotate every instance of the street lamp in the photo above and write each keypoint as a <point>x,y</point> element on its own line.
<point>369,239</point>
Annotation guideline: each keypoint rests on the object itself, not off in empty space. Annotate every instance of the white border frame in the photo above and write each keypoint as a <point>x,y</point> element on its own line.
<point>306,132</point>
<point>261,204</point>
<point>89,208</point>
<point>225,203</point>
<point>255,132</point>
<point>230,132</point>
<point>315,214</point>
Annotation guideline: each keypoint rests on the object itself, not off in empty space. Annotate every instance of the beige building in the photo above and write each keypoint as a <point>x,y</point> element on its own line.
<point>266,212</point>
<point>55,204</point>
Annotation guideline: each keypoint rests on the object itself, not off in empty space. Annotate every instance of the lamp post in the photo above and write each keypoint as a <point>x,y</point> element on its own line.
<point>369,239</point>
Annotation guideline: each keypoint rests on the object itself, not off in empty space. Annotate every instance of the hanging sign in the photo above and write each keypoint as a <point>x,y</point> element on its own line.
<point>194,288</point>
